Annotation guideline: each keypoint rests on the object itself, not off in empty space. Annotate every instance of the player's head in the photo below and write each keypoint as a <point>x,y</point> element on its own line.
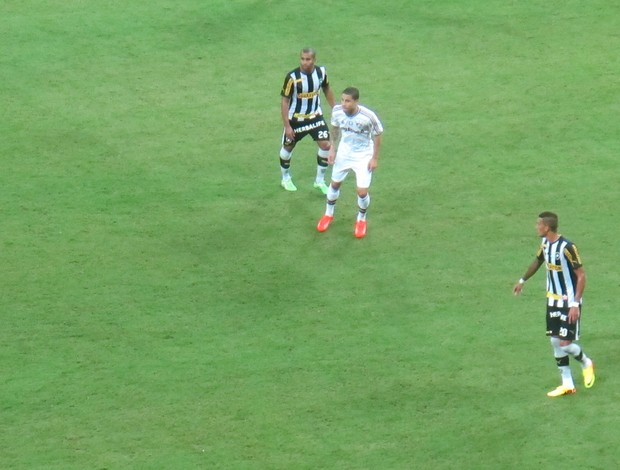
<point>547,222</point>
<point>352,92</point>
<point>349,100</point>
<point>307,59</point>
<point>309,50</point>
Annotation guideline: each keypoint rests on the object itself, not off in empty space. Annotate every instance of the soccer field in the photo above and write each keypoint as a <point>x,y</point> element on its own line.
<point>166,305</point>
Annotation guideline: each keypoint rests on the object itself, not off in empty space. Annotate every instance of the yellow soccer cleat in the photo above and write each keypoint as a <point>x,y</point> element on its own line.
<point>561,391</point>
<point>588,375</point>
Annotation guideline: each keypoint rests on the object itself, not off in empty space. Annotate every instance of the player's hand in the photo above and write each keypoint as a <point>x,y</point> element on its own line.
<point>331,158</point>
<point>573,315</point>
<point>289,133</point>
<point>516,290</point>
<point>373,164</point>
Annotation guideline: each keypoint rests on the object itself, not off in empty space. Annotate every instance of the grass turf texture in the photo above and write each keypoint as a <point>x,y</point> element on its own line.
<point>166,305</point>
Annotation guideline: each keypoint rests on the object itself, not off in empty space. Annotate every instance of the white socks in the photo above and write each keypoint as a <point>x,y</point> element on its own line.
<point>567,377</point>
<point>334,194</point>
<point>332,197</point>
<point>363,203</point>
<point>320,173</point>
<point>561,352</point>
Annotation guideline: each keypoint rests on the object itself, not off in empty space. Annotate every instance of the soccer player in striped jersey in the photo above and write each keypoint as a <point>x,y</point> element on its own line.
<point>356,133</point>
<point>302,115</point>
<point>566,281</point>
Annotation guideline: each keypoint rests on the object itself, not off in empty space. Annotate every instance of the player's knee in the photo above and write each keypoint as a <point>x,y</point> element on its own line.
<point>562,361</point>
<point>285,158</point>
<point>333,193</point>
<point>572,349</point>
<point>285,154</point>
<point>321,157</point>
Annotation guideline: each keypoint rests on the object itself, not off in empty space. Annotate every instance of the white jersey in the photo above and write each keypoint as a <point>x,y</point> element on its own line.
<point>357,131</point>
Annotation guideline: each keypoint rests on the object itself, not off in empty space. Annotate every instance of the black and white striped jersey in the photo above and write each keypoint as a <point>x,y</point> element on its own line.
<point>561,258</point>
<point>303,91</point>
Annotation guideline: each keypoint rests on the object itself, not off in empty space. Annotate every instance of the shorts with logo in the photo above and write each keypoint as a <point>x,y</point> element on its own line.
<point>557,324</point>
<point>356,162</point>
<point>316,127</point>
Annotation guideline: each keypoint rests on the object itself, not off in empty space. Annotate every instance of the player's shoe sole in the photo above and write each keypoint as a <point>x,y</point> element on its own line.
<point>288,185</point>
<point>324,223</point>
<point>561,391</point>
<point>588,375</point>
<point>321,187</point>
<point>360,228</point>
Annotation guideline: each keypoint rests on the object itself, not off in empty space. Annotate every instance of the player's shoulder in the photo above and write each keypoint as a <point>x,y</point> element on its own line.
<point>366,111</point>
<point>337,112</point>
<point>563,239</point>
<point>320,71</point>
<point>569,243</point>
<point>369,115</point>
<point>293,73</point>
<point>567,246</point>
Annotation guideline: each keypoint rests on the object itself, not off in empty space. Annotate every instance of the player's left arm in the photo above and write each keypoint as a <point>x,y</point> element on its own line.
<point>329,95</point>
<point>572,254</point>
<point>581,283</point>
<point>374,161</point>
<point>574,312</point>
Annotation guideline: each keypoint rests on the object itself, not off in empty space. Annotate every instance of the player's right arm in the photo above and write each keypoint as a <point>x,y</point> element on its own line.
<point>531,270</point>
<point>287,91</point>
<point>335,140</point>
<point>288,129</point>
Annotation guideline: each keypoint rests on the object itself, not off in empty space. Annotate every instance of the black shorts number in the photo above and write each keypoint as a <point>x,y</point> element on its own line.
<point>316,127</point>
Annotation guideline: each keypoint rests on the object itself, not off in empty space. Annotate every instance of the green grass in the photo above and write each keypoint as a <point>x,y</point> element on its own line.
<point>166,305</point>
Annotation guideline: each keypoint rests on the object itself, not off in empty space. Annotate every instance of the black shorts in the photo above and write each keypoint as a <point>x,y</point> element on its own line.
<point>557,324</point>
<point>316,127</point>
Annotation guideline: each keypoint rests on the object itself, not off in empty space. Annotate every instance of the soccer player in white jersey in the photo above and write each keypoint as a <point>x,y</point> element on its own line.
<point>302,115</point>
<point>356,133</point>
<point>566,281</point>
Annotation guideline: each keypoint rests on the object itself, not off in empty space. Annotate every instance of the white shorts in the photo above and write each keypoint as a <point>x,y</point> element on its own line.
<point>358,164</point>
